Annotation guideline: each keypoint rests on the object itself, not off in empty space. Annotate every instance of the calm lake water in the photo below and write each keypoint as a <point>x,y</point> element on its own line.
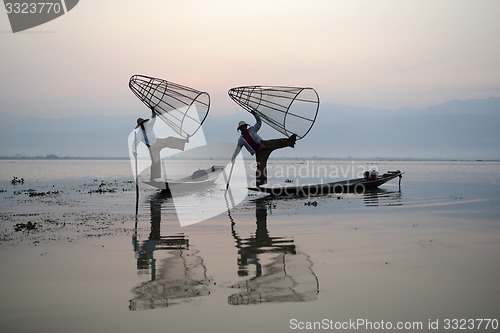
<point>419,255</point>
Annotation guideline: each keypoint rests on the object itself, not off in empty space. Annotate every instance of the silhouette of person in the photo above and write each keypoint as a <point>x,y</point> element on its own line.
<point>144,133</point>
<point>259,147</point>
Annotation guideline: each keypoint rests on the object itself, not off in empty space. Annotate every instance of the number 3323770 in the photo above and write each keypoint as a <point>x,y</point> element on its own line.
<point>33,7</point>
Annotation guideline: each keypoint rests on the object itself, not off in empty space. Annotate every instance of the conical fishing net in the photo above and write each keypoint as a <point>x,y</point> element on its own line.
<point>289,110</point>
<point>182,108</point>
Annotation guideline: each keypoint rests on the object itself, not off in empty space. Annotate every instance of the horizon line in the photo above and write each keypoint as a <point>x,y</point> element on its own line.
<point>53,157</point>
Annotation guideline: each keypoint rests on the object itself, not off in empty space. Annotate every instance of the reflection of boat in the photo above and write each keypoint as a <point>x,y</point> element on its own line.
<point>357,185</point>
<point>382,197</point>
<point>282,274</point>
<point>176,278</point>
<point>197,180</point>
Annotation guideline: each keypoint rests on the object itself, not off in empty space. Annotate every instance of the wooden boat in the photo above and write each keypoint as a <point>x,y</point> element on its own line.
<point>357,185</point>
<point>198,180</point>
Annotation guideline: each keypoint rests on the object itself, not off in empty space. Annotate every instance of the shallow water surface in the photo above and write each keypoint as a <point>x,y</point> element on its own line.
<point>425,251</point>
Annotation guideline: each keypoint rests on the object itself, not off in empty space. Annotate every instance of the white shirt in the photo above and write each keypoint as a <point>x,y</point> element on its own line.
<point>150,134</point>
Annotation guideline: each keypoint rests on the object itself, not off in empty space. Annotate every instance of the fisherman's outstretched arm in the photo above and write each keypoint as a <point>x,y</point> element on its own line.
<point>153,118</point>
<point>258,121</point>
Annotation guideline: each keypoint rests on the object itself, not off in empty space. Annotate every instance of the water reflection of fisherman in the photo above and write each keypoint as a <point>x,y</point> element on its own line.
<point>178,277</point>
<point>249,249</point>
<point>286,275</point>
<point>262,149</point>
<point>145,250</point>
<point>144,133</point>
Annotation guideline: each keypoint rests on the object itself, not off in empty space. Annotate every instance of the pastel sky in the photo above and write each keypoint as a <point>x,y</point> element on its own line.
<point>380,54</point>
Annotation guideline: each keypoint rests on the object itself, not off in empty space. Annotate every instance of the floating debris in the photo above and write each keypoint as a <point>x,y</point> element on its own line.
<point>26,226</point>
<point>33,193</point>
<point>16,181</point>
<point>103,187</point>
<point>101,190</point>
<point>311,203</point>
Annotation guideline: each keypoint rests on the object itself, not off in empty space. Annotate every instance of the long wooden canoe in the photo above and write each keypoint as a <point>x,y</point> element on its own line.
<point>198,180</point>
<point>357,185</point>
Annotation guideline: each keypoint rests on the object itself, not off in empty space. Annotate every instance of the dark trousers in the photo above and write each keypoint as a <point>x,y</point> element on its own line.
<point>265,149</point>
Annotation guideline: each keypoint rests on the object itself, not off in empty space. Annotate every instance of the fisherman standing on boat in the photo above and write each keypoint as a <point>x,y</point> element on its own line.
<point>144,132</point>
<point>258,147</point>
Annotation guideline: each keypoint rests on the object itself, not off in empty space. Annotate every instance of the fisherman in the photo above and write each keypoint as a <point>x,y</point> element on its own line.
<point>144,132</point>
<point>258,147</point>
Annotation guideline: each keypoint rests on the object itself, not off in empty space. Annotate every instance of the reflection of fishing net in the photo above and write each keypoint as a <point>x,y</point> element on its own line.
<point>181,277</point>
<point>287,278</point>
<point>182,108</point>
<point>287,109</point>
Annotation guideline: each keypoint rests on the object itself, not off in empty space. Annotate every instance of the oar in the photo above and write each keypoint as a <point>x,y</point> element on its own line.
<point>229,178</point>
<point>136,180</point>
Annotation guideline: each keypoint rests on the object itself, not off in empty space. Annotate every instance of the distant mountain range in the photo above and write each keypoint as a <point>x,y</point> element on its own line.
<point>457,129</point>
